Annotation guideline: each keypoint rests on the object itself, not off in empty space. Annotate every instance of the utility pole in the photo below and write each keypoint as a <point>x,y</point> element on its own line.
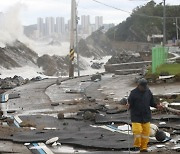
<point>77,47</point>
<point>177,30</point>
<point>164,23</point>
<point>73,24</point>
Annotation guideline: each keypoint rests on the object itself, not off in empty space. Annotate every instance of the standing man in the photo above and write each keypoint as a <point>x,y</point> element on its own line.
<point>139,102</point>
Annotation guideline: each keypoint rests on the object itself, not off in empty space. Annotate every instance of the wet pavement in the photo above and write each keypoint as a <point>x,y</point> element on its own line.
<point>47,98</point>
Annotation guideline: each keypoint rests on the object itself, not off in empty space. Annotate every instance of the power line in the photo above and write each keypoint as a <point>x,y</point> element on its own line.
<point>144,15</point>
<point>139,0</point>
<point>111,6</point>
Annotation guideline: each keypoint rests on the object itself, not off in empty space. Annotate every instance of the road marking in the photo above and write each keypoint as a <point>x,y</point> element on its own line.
<point>44,149</point>
<point>40,150</point>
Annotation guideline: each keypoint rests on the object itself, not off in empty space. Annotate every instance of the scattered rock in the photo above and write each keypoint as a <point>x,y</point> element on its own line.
<point>123,101</point>
<point>60,115</point>
<point>78,100</point>
<point>27,80</point>
<point>65,123</point>
<point>27,124</point>
<point>1,113</point>
<point>9,121</point>
<point>171,80</point>
<point>160,136</point>
<point>88,115</point>
<point>92,99</point>
<point>96,65</point>
<point>2,91</point>
<point>18,80</point>
<point>96,77</point>
<point>115,110</point>
<point>54,104</point>
<point>11,111</point>
<point>38,78</point>
<point>58,81</point>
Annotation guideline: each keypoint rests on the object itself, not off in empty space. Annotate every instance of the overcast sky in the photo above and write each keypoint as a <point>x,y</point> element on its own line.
<point>44,8</point>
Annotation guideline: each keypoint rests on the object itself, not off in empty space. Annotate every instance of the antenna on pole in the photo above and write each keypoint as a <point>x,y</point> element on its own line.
<point>72,38</point>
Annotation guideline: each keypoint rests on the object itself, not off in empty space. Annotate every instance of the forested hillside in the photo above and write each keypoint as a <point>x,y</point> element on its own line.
<point>146,20</point>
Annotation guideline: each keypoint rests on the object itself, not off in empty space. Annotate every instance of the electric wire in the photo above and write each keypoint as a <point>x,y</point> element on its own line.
<point>113,7</point>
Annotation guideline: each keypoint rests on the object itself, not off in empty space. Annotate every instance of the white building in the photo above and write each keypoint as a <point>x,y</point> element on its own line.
<point>60,25</point>
<point>52,21</point>
<point>69,26</point>
<point>40,27</point>
<point>98,22</point>
<point>85,24</point>
<point>49,26</point>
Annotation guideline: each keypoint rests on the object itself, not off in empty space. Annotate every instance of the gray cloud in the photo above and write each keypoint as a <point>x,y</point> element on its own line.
<point>43,8</point>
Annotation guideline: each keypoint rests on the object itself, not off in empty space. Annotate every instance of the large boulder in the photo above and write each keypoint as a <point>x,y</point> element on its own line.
<point>18,80</point>
<point>96,45</point>
<point>17,54</point>
<point>53,65</point>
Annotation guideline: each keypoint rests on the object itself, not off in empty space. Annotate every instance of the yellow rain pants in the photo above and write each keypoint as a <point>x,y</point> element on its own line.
<point>141,133</point>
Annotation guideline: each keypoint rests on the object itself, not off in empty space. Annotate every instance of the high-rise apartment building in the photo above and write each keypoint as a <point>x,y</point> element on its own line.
<point>40,27</point>
<point>98,22</point>
<point>60,25</point>
<point>85,23</point>
<point>49,26</point>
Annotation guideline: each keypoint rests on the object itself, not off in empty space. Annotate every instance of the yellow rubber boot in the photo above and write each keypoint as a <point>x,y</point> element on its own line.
<point>145,136</point>
<point>137,131</point>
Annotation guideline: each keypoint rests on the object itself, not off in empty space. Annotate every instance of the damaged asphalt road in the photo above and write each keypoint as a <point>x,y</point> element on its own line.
<point>91,104</point>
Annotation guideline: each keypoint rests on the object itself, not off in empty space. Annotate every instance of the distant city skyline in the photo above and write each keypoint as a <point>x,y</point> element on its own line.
<point>32,9</point>
<point>59,25</point>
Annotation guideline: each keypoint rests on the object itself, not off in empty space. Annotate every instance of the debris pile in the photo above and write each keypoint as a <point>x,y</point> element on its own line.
<point>125,57</point>
<point>16,81</point>
<point>9,83</point>
<point>96,65</point>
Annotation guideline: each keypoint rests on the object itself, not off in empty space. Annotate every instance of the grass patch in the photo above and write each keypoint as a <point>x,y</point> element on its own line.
<point>172,69</point>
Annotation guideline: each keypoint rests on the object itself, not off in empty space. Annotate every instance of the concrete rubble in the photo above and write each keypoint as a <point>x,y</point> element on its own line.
<point>10,83</point>
<point>92,117</point>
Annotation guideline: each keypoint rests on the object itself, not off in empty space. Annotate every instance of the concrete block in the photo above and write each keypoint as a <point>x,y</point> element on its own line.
<point>4,98</point>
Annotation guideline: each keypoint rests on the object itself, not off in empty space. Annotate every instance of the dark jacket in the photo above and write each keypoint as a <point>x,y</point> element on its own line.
<point>140,103</point>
